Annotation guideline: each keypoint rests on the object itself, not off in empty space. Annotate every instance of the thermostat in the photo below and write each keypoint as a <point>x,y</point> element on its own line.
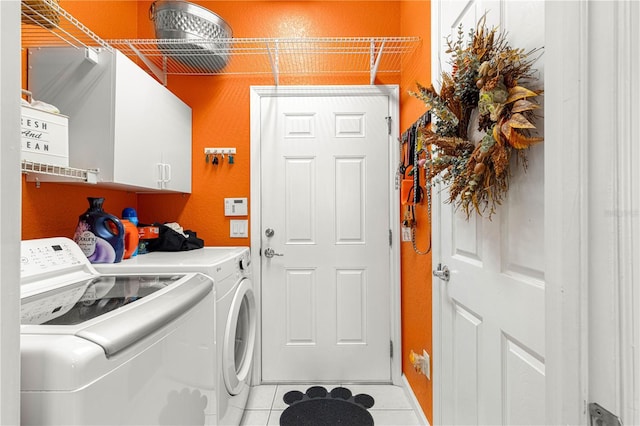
<point>235,207</point>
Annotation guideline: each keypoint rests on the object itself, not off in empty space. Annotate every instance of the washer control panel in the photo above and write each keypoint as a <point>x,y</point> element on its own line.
<point>49,255</point>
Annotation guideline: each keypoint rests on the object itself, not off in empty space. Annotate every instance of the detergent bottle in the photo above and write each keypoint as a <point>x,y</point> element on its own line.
<point>131,239</point>
<point>99,234</point>
<point>130,214</point>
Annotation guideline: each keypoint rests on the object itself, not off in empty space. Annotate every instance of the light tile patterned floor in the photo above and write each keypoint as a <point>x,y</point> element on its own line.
<point>391,408</point>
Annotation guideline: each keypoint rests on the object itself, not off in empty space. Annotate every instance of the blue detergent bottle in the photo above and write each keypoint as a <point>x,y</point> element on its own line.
<point>99,234</point>
<point>131,215</point>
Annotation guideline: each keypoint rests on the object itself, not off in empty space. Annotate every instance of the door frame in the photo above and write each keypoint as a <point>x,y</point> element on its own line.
<point>392,91</point>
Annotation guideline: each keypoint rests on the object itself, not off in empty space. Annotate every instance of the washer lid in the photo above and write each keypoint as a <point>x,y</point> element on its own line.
<point>113,311</point>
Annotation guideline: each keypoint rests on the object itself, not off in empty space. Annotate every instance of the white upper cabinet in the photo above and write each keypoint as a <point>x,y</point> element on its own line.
<point>121,120</point>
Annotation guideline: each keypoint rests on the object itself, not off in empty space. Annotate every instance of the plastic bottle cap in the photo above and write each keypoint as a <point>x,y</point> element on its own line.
<point>129,212</point>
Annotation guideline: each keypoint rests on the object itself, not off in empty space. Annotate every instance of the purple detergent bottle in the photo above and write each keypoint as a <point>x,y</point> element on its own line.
<point>99,234</point>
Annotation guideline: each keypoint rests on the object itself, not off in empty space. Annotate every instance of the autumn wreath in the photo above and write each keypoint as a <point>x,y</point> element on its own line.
<point>485,90</point>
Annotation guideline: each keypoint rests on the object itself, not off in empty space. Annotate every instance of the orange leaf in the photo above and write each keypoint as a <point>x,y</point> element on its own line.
<point>524,105</point>
<point>519,92</point>
<point>517,121</point>
<point>520,141</point>
<point>496,134</point>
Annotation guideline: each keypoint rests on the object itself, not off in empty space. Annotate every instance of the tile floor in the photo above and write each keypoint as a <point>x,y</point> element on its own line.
<point>391,408</point>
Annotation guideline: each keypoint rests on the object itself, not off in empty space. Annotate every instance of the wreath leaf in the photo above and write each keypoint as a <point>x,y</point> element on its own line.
<point>519,92</point>
<point>517,121</point>
<point>520,141</point>
<point>523,105</point>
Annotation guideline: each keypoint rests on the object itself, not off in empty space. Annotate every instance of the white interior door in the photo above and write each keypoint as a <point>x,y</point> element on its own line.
<point>489,318</point>
<point>325,237</point>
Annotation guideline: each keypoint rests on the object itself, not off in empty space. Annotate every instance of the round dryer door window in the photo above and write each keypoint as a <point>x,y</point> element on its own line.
<point>239,338</point>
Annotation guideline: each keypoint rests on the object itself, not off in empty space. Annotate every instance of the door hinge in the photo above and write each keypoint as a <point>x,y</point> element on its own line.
<point>390,238</point>
<point>388,125</point>
<point>602,417</point>
<point>391,348</point>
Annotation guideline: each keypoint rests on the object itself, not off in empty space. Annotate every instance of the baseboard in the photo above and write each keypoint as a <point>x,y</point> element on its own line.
<point>414,402</point>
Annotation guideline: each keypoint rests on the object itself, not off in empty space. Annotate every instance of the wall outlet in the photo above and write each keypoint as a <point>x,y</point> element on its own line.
<point>406,234</point>
<point>426,364</point>
<point>421,363</point>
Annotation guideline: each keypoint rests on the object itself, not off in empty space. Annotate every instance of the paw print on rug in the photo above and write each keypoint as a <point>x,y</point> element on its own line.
<point>317,407</point>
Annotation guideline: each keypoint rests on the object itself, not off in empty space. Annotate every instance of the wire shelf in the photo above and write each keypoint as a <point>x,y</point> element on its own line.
<point>273,56</point>
<point>224,56</point>
<point>61,173</point>
<point>56,28</point>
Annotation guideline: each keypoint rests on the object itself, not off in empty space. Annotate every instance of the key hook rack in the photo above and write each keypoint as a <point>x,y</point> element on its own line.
<point>217,155</point>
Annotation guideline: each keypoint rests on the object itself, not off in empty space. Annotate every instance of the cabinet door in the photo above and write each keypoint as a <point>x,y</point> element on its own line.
<point>82,90</point>
<point>121,120</point>
<point>152,132</point>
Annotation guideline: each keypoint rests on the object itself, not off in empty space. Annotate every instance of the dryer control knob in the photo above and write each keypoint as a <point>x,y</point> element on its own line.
<point>244,263</point>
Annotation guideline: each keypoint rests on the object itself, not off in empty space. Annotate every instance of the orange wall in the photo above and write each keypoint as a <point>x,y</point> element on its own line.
<point>220,106</point>
<point>416,269</point>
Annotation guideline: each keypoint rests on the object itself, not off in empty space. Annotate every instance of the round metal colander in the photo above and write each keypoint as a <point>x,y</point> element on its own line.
<point>190,34</point>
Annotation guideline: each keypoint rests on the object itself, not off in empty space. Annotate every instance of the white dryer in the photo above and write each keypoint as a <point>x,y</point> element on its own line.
<point>235,314</point>
<point>112,349</point>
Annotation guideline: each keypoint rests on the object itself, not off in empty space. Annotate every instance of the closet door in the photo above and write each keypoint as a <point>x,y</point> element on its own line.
<point>489,317</point>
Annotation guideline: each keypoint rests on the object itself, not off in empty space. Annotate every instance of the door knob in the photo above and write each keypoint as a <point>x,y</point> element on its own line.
<point>442,272</point>
<point>269,253</point>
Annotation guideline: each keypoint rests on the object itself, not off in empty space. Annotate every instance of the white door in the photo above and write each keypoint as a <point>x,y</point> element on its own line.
<point>325,237</point>
<point>489,319</point>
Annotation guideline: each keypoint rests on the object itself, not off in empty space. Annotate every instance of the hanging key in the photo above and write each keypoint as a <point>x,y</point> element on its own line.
<point>206,158</point>
<point>230,159</point>
<point>215,160</point>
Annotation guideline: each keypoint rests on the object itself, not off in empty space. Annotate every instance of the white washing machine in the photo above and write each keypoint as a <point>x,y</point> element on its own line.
<point>112,349</point>
<point>235,314</point>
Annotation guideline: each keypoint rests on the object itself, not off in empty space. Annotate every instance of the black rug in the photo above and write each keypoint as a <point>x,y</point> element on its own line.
<point>317,407</point>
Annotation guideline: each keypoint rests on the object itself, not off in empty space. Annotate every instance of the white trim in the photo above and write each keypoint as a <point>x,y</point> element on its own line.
<point>627,217</point>
<point>422,418</point>
<point>566,217</point>
<point>392,91</point>
<point>438,360</point>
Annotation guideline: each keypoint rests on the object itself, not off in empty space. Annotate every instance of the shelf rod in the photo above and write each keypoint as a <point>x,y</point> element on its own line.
<point>374,67</point>
<point>160,75</point>
<point>274,62</point>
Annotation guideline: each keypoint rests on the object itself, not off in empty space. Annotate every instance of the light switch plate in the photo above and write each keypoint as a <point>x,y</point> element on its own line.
<point>239,229</point>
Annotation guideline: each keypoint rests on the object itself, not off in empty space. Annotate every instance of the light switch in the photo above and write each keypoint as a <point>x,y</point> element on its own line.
<point>239,228</point>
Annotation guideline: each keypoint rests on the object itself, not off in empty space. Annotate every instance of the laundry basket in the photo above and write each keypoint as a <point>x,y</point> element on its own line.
<point>191,34</point>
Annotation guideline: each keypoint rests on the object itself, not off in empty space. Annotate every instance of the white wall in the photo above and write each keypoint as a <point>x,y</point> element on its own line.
<point>10,228</point>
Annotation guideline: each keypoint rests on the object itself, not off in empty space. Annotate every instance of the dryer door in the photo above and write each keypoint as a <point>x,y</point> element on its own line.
<point>239,338</point>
